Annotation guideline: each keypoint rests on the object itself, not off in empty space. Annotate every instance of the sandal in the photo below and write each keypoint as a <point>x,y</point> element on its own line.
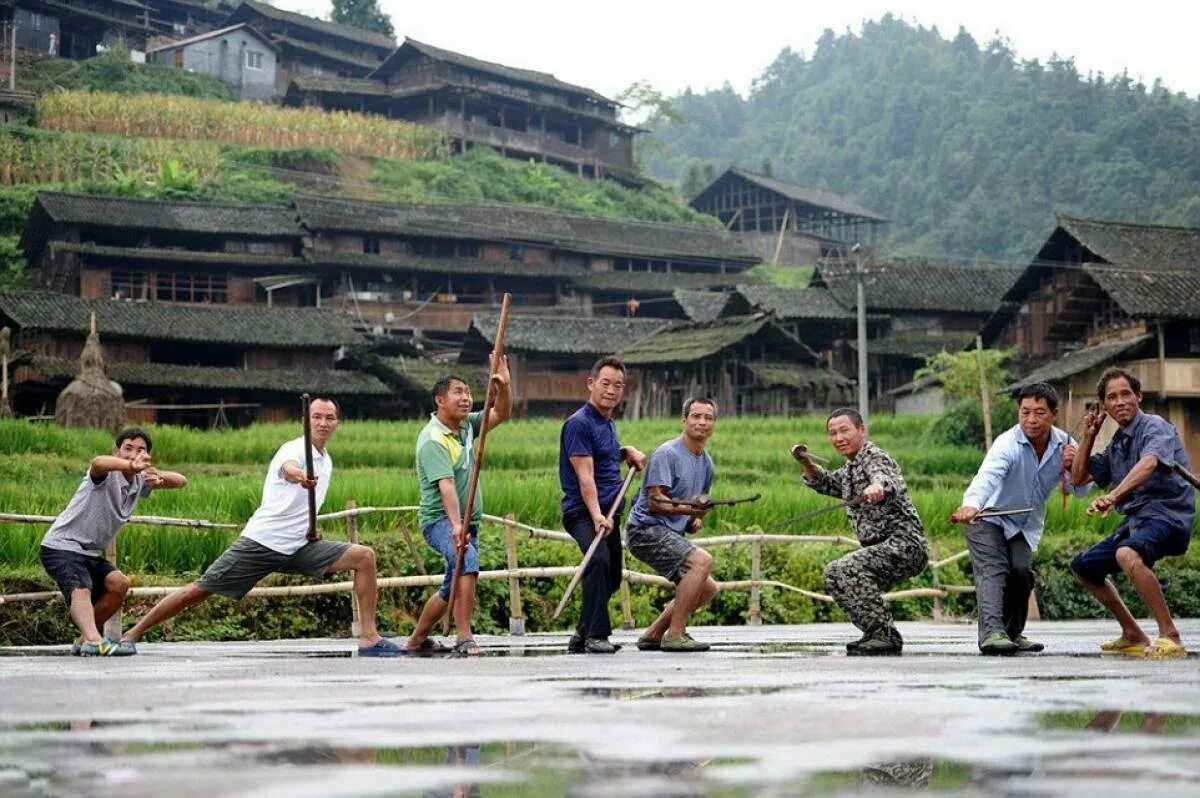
<point>1121,645</point>
<point>466,648</point>
<point>382,648</point>
<point>1166,648</point>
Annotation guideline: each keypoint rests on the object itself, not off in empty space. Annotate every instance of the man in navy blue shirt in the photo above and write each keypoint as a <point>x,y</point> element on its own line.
<point>1159,508</point>
<point>589,471</point>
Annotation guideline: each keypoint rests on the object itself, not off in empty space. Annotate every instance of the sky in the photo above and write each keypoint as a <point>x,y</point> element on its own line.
<point>703,44</point>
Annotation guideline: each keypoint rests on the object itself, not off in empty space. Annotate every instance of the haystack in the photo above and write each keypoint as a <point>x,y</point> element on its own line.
<point>92,399</point>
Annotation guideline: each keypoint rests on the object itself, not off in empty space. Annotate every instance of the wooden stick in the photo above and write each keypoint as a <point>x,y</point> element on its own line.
<point>308,470</point>
<point>587,557</point>
<point>701,503</point>
<point>473,486</point>
<point>1187,475</point>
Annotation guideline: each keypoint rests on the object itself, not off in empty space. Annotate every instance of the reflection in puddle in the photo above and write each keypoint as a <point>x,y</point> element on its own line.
<point>915,774</point>
<point>635,693</point>
<point>1111,721</point>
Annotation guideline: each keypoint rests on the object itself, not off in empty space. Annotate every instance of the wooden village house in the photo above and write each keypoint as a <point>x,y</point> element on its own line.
<point>1100,294</point>
<point>179,363</point>
<point>931,307</point>
<point>787,223</point>
<point>521,113</point>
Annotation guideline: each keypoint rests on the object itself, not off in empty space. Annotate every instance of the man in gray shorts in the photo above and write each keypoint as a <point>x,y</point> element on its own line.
<point>73,549</point>
<point>679,469</point>
<point>274,540</point>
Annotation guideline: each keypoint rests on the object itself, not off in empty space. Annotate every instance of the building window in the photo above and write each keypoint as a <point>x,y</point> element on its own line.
<point>371,245</point>
<point>191,287</point>
<point>516,252</point>
<point>1194,340</point>
<point>130,285</point>
<point>254,59</point>
<point>260,248</point>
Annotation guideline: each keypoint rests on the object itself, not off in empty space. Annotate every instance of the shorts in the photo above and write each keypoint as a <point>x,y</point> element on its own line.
<point>662,548</point>
<point>72,570</point>
<point>247,561</point>
<point>437,535</point>
<point>1153,539</point>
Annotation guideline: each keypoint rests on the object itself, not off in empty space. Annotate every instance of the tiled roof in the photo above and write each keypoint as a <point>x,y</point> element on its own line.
<point>150,214</point>
<point>275,327</point>
<point>1080,361</point>
<point>418,375</point>
<point>249,8</point>
<point>1145,294</point>
<point>569,336</point>
<point>288,381</point>
<point>525,224</point>
<point>794,375</point>
<point>796,303</point>
<point>333,54</point>
<point>701,305</point>
<point>1137,246</point>
<point>159,255</point>
<point>918,285</point>
<point>796,192</point>
<point>691,341</point>
<point>212,34</point>
<point>513,74</point>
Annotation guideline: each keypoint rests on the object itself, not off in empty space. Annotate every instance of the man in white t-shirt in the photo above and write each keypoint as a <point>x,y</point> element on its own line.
<point>274,540</point>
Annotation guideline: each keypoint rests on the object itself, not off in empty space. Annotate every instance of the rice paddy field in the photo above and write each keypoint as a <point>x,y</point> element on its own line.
<point>41,465</point>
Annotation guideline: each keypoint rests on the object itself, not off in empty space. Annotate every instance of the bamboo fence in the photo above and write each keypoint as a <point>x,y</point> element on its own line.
<point>515,573</point>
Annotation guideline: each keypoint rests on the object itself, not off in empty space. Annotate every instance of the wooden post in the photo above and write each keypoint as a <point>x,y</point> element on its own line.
<point>352,537</point>
<point>938,608</point>
<point>516,617</point>
<point>779,241</point>
<point>112,627</point>
<point>755,616</point>
<point>1162,364</point>
<point>984,396</point>
<point>626,602</point>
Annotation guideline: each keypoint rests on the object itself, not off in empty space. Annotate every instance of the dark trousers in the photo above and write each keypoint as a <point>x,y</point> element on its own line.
<point>601,578</point>
<point>1003,578</point>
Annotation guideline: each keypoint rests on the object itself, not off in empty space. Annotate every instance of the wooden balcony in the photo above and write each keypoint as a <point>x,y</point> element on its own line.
<point>503,138</point>
<point>1182,376</point>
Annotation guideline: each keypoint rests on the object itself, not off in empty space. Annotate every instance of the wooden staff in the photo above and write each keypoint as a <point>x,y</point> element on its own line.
<point>1064,487</point>
<point>473,486</point>
<point>1187,475</point>
<point>587,557</point>
<point>992,513</point>
<point>703,501</point>
<point>313,534</point>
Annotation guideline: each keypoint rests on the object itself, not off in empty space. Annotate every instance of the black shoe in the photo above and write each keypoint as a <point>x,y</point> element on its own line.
<point>851,646</point>
<point>875,647</point>
<point>598,645</point>
<point>575,644</point>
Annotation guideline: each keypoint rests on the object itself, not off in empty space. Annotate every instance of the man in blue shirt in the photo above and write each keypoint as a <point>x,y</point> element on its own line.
<point>1159,508</point>
<point>680,469</point>
<point>589,471</point>
<point>1021,469</point>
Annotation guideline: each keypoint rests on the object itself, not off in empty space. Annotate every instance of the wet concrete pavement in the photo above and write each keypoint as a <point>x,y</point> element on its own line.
<point>770,711</point>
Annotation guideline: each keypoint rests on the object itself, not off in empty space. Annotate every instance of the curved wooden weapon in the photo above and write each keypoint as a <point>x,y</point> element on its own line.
<point>814,513</point>
<point>313,535</point>
<point>703,502</point>
<point>587,557</point>
<point>473,486</point>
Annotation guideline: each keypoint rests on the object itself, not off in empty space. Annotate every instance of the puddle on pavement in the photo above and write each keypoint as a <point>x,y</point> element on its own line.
<point>637,693</point>
<point>1111,721</point>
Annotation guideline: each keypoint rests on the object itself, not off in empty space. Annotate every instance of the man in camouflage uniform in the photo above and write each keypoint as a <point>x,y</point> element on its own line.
<point>885,521</point>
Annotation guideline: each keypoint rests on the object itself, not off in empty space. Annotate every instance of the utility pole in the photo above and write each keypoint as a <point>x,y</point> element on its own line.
<point>860,274</point>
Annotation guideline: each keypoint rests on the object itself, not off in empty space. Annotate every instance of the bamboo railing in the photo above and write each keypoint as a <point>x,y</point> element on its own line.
<point>514,573</point>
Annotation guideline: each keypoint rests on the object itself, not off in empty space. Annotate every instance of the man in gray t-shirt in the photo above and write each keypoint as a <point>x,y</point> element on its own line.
<point>73,549</point>
<point>679,469</point>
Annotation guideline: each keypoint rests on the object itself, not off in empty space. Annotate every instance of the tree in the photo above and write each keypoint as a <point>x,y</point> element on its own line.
<point>364,14</point>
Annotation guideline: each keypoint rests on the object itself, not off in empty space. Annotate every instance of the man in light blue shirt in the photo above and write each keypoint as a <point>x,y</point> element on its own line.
<point>1022,469</point>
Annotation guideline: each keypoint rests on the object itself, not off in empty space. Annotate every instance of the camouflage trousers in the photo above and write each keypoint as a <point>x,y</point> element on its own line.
<point>857,581</point>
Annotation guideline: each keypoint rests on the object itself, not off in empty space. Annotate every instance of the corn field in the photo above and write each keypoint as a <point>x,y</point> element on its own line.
<point>249,124</point>
<point>65,158</point>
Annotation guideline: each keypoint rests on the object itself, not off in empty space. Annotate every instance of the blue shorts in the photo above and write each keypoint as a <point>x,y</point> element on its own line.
<point>437,535</point>
<point>1153,540</point>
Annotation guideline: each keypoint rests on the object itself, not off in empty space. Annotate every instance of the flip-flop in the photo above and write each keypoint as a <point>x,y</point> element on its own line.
<point>1120,645</point>
<point>382,648</point>
<point>1166,648</point>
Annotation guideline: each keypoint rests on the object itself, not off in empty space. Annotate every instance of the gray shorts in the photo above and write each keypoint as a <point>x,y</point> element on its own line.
<point>247,561</point>
<point>662,548</point>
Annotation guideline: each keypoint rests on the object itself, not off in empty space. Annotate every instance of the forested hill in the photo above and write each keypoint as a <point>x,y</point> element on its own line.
<point>966,148</point>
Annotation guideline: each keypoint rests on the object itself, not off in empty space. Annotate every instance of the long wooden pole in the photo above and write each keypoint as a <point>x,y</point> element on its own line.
<point>984,394</point>
<point>467,509</point>
<point>308,470</point>
<point>587,557</point>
